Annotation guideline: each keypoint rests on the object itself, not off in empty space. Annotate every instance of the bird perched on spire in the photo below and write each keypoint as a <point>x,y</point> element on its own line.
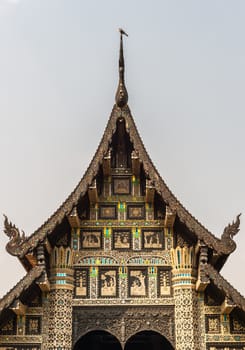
<point>122,32</point>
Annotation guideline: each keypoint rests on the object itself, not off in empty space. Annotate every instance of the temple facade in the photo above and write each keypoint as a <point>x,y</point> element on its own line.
<point>122,264</point>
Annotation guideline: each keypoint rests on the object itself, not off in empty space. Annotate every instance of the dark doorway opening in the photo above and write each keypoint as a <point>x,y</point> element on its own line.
<point>148,340</point>
<point>98,340</point>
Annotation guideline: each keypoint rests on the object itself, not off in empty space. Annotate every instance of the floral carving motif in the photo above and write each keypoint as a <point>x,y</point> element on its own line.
<point>123,322</point>
<point>60,320</point>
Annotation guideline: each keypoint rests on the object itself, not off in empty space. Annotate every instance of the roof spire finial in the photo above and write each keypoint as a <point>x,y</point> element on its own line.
<point>121,94</point>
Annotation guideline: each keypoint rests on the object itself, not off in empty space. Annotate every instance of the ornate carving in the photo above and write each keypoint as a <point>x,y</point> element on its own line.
<point>60,319</point>
<point>115,257</point>
<point>124,322</point>
<point>202,280</point>
<point>16,238</point>
<point>174,205</point>
<point>123,302</point>
<point>20,347</point>
<point>164,282</point>
<point>201,322</point>
<point>226,346</point>
<point>213,324</point>
<point>237,326</point>
<point>21,339</point>
<point>230,231</point>
<point>9,328</point>
<point>186,321</point>
<point>33,325</point>
<point>183,241</point>
<point>45,322</point>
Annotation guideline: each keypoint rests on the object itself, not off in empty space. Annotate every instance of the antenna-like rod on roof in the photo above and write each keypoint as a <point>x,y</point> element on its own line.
<point>121,94</point>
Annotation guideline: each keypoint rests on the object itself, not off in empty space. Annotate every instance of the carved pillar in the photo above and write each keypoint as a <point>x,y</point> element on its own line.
<point>186,303</point>
<point>123,273</point>
<point>152,277</point>
<point>59,301</point>
<point>169,227</point>
<point>93,282</point>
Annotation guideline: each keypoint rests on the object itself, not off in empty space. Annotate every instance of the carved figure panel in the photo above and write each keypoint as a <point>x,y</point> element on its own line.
<point>81,283</point>
<point>237,326</point>
<point>212,323</point>
<point>108,282</point>
<point>10,328</point>
<point>152,239</point>
<point>136,212</point>
<point>138,283</point>
<point>91,239</point>
<point>164,282</point>
<point>121,185</point>
<point>121,239</point>
<point>33,325</point>
<point>108,212</point>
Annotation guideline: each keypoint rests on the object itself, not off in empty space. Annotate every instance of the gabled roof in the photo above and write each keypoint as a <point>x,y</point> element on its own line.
<point>222,284</point>
<point>225,245</point>
<point>19,245</point>
<point>20,287</point>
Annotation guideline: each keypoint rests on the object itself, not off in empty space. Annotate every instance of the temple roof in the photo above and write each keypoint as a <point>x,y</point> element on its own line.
<point>222,284</point>
<point>19,245</point>
<point>224,246</point>
<point>20,287</point>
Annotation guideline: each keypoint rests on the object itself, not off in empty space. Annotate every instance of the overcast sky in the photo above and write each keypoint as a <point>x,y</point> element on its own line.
<point>185,75</point>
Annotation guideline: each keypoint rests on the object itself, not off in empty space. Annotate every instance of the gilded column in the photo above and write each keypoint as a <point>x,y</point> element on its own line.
<point>60,300</point>
<point>186,305</point>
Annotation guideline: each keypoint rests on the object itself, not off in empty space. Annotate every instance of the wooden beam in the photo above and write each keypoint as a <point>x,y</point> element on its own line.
<point>149,192</point>
<point>43,282</point>
<point>227,306</point>
<point>106,164</point>
<point>73,218</point>
<point>18,307</point>
<point>135,164</point>
<point>201,285</point>
<point>47,245</point>
<point>93,193</point>
<point>31,259</point>
<point>169,218</point>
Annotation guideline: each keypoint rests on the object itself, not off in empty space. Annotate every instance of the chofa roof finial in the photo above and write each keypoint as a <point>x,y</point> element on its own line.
<point>121,94</point>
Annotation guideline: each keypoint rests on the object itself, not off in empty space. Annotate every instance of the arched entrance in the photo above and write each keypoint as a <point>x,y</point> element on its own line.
<point>98,340</point>
<point>148,340</point>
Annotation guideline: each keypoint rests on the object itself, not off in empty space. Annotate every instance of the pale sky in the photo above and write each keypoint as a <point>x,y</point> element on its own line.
<point>185,75</point>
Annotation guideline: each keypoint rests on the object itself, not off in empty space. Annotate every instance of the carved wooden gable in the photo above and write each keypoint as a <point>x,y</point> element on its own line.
<point>123,234</point>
